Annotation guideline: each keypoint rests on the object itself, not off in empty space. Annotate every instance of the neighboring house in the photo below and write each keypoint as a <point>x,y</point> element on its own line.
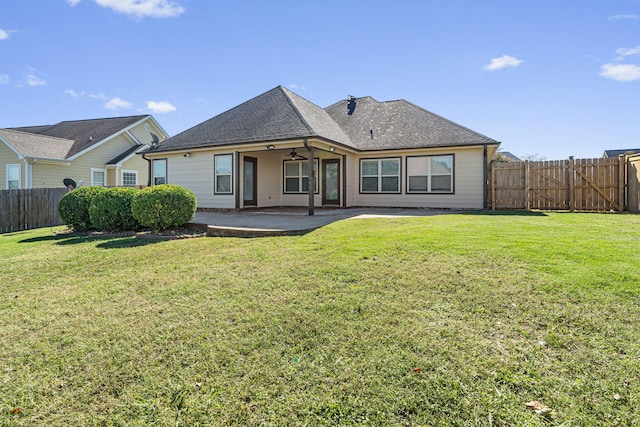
<point>616,153</point>
<point>506,156</point>
<point>90,152</point>
<point>357,152</point>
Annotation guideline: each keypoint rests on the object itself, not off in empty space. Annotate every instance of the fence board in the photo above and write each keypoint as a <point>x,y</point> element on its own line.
<point>574,184</point>
<point>26,209</point>
<point>633,186</point>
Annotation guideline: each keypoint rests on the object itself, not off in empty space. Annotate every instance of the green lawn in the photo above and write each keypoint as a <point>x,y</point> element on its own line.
<point>450,320</point>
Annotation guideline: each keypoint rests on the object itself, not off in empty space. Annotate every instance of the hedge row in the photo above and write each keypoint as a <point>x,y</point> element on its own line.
<point>122,208</point>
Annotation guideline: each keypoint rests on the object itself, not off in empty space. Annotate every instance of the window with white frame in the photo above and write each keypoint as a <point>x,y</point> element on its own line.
<point>159,171</point>
<point>129,178</point>
<point>98,177</point>
<point>380,175</point>
<point>223,174</point>
<point>13,177</point>
<point>296,176</point>
<point>430,174</point>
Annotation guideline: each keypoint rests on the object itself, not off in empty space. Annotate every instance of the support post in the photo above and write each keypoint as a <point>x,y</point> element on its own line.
<point>527,186</point>
<point>312,179</point>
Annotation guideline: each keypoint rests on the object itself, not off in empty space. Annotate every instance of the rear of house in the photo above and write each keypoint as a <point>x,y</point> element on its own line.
<point>279,149</point>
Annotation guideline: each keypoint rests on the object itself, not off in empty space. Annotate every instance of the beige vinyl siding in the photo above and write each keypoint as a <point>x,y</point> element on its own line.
<point>139,164</point>
<point>9,157</point>
<point>269,178</point>
<point>51,175</point>
<point>468,181</point>
<point>144,136</point>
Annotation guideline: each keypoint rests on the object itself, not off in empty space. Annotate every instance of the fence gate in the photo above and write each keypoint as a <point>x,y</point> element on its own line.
<point>633,186</point>
<point>583,184</point>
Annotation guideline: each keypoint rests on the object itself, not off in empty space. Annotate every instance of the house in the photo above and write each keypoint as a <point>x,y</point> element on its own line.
<point>616,153</point>
<point>89,152</point>
<point>506,156</point>
<point>278,149</point>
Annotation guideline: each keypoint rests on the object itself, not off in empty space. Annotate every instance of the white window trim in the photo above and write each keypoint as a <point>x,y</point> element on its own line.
<point>216,175</point>
<point>130,171</point>
<point>379,176</point>
<point>19,166</point>
<point>104,171</point>
<point>428,173</point>
<point>316,164</point>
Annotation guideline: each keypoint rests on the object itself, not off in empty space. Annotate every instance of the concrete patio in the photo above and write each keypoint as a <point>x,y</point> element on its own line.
<point>290,221</point>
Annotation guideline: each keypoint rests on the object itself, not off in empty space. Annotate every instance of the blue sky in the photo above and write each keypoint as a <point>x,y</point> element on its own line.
<point>546,77</point>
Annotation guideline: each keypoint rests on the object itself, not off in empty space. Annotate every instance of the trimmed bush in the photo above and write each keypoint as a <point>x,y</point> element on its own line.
<point>110,210</point>
<point>74,207</point>
<point>163,206</point>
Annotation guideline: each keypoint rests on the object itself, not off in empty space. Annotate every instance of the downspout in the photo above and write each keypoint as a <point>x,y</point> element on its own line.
<point>149,173</point>
<point>312,177</point>
<point>484,177</point>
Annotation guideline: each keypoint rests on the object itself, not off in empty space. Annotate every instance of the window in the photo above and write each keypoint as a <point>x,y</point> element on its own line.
<point>380,175</point>
<point>430,174</point>
<point>159,171</point>
<point>13,177</point>
<point>296,176</point>
<point>98,177</point>
<point>223,174</point>
<point>129,178</point>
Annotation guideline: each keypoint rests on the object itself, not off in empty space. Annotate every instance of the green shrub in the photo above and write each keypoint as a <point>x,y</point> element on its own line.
<point>110,210</point>
<point>163,206</point>
<point>74,207</point>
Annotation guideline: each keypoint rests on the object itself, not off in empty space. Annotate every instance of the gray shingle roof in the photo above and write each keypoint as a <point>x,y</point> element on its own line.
<point>374,125</point>
<point>616,153</point>
<point>34,145</point>
<point>275,115</point>
<point>84,133</point>
<point>126,153</point>
<point>281,114</point>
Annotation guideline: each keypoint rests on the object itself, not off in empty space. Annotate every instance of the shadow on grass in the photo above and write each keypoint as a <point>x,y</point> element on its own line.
<point>105,242</point>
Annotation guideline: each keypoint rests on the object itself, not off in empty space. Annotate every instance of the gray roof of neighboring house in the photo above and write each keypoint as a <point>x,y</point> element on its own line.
<point>126,154</point>
<point>509,156</point>
<point>281,114</point>
<point>34,145</point>
<point>84,133</point>
<point>616,153</point>
<point>373,125</point>
<point>275,115</point>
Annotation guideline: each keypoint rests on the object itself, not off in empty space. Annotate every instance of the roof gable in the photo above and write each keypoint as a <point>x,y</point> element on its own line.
<point>83,134</point>
<point>373,125</point>
<point>34,145</point>
<point>275,115</point>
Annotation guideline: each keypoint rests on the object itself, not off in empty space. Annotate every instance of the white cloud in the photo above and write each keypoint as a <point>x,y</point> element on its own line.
<point>73,2</point>
<point>294,86</point>
<point>4,79</point>
<point>503,62</point>
<point>117,103</point>
<point>619,17</point>
<point>620,72</point>
<point>160,107</point>
<point>98,96</point>
<point>623,52</point>
<point>143,8</point>
<point>33,80</point>
<point>73,93</point>
<point>4,34</point>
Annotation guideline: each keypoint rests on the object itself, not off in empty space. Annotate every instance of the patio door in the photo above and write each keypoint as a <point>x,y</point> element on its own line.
<point>331,182</point>
<point>250,181</point>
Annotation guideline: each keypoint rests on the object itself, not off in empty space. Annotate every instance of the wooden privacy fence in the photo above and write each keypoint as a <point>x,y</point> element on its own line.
<point>576,184</point>
<point>26,209</point>
<point>633,183</point>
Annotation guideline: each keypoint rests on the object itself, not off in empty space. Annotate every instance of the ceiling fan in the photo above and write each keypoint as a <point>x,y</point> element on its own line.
<point>296,156</point>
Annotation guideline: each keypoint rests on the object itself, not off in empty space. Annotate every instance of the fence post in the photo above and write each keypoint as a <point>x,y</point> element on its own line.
<point>493,187</point>
<point>572,185</point>
<point>527,186</point>
<point>622,182</point>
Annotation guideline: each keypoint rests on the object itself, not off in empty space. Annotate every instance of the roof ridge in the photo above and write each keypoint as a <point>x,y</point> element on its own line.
<point>35,134</point>
<point>284,91</point>
<point>100,118</point>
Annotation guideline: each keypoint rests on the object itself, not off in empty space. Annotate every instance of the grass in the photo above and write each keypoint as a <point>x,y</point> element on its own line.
<point>454,320</point>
